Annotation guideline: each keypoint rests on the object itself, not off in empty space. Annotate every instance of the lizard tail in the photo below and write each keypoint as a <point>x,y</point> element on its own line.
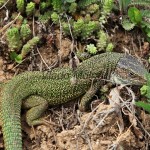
<point>13,93</point>
<point>12,134</point>
<point>10,115</point>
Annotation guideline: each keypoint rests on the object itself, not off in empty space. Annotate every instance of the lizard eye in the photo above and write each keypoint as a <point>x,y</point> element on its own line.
<point>131,74</point>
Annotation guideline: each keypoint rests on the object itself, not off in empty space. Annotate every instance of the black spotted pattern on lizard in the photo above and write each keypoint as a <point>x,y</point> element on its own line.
<point>37,89</point>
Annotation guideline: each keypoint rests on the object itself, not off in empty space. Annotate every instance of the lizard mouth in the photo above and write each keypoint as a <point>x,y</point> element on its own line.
<point>118,79</point>
<point>129,70</point>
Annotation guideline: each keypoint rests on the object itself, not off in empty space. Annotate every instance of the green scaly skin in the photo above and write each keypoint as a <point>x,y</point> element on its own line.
<point>56,87</point>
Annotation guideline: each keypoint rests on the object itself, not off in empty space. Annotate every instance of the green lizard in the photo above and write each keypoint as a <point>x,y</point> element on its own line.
<point>37,89</point>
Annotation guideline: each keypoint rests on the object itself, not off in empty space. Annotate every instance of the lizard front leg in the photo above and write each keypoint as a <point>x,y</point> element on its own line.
<point>88,95</point>
<point>37,106</point>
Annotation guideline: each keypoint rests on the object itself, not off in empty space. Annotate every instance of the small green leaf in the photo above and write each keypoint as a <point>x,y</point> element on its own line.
<point>148,34</point>
<point>18,59</point>
<point>148,85</point>
<point>145,106</point>
<point>109,47</point>
<point>127,24</point>
<point>13,55</point>
<point>135,15</point>
<point>123,4</point>
<point>143,89</point>
<point>91,49</point>
<point>145,24</point>
<point>148,39</point>
<point>147,30</point>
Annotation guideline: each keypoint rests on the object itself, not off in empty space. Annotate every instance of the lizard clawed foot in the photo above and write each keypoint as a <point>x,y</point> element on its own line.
<point>37,106</point>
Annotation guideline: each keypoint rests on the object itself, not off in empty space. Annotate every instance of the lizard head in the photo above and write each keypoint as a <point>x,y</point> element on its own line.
<point>129,71</point>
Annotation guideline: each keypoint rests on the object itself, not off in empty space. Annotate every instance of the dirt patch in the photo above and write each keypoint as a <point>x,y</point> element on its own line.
<point>98,129</point>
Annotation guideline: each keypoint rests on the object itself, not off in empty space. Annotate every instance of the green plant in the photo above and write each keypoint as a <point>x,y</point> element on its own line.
<point>45,17</point>
<point>85,3</point>
<point>145,90</point>
<point>25,50</point>
<point>92,8</point>
<point>43,6</point>
<point>57,5</point>
<point>76,17</point>
<point>123,5</point>
<point>65,27</point>
<point>78,27</point>
<point>145,106</point>
<point>17,58</point>
<point>30,9</point>
<point>134,15</point>
<point>91,49</point>
<point>139,3</point>
<point>127,24</point>
<point>20,5</point>
<point>14,39</point>
<point>89,28</point>
<point>109,47</point>
<point>55,17</point>
<point>2,2</point>
<point>29,45</point>
<point>135,18</point>
<point>73,7</point>
<point>102,40</point>
<point>137,15</point>
<point>69,1</point>
<point>25,31</point>
<point>107,6</point>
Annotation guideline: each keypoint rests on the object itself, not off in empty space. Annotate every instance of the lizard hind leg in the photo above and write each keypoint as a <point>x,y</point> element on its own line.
<point>37,106</point>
